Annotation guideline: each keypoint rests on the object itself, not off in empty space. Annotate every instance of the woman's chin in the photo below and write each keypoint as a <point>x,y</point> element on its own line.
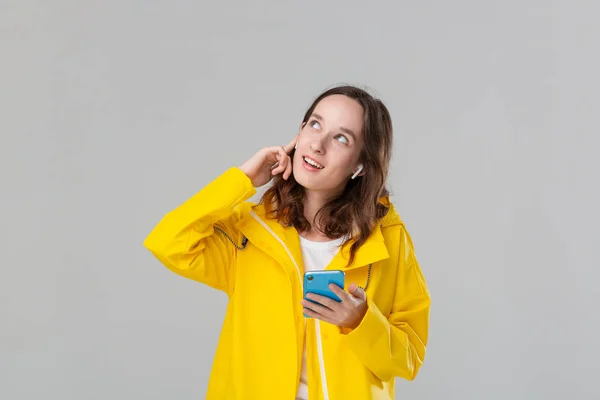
<point>313,183</point>
<point>307,182</point>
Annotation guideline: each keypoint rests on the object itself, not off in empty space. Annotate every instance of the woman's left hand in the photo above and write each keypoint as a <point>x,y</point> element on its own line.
<point>346,314</point>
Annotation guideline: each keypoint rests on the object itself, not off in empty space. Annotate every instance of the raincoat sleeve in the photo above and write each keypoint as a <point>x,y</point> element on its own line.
<point>394,345</point>
<point>188,240</point>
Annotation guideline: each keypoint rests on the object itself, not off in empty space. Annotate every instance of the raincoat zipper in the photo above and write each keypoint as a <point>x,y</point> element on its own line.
<point>317,325</point>
<point>244,239</point>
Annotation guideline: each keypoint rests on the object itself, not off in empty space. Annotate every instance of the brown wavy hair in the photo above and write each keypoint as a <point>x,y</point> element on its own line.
<point>363,202</point>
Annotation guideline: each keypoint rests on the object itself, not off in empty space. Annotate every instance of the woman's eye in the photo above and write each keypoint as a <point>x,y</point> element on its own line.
<point>315,124</point>
<point>342,139</point>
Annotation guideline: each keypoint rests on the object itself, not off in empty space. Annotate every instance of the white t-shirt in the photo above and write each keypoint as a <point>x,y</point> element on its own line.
<point>316,256</point>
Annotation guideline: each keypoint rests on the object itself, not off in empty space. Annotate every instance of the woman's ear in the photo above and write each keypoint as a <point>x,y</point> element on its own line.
<point>358,172</point>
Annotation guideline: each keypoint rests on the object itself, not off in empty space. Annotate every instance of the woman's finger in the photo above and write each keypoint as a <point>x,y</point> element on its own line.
<point>310,313</point>
<point>280,168</point>
<point>273,157</point>
<point>282,154</point>
<point>282,159</point>
<point>342,294</point>
<point>288,169</point>
<point>273,154</point>
<point>290,146</point>
<point>316,307</point>
<point>324,300</point>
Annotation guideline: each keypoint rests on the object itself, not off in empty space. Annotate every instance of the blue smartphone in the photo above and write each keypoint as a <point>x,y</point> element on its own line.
<point>318,282</point>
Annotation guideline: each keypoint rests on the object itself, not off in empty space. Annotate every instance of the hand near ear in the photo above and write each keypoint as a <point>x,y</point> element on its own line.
<point>268,162</point>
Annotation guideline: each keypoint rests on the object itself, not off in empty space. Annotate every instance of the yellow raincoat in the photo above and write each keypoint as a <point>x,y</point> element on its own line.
<point>221,239</point>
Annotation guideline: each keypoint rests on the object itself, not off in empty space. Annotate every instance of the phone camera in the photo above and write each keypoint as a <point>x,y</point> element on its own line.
<point>310,278</point>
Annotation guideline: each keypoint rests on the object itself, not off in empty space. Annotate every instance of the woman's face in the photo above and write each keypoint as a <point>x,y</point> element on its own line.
<point>333,139</point>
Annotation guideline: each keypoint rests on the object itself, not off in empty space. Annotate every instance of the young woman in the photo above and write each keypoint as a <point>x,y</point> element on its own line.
<point>328,208</point>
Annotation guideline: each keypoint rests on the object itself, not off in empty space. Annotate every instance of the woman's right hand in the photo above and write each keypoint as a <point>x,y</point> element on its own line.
<point>268,162</point>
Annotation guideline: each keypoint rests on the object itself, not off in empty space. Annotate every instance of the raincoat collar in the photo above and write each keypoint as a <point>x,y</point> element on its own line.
<point>283,243</point>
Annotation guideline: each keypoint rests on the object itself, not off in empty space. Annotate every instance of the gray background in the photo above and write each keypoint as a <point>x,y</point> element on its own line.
<point>114,112</point>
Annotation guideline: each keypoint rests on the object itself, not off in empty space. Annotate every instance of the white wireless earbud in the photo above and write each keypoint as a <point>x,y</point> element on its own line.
<point>360,168</point>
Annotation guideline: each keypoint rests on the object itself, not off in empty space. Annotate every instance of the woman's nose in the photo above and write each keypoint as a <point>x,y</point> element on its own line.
<point>318,145</point>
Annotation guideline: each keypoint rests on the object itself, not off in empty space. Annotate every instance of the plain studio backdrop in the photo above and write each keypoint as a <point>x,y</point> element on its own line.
<point>114,112</point>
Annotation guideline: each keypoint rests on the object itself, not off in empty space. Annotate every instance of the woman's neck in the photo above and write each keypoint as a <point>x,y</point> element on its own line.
<point>313,202</point>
